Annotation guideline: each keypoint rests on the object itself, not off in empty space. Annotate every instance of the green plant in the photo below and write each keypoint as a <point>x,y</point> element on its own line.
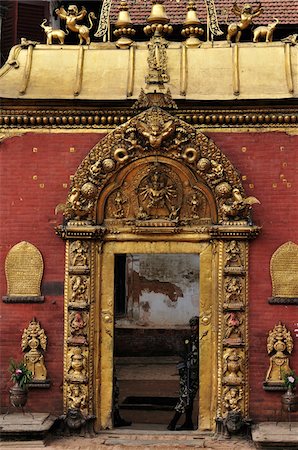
<point>290,379</point>
<point>19,373</point>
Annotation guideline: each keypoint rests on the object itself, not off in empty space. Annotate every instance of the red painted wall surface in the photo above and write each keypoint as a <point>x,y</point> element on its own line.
<point>35,171</point>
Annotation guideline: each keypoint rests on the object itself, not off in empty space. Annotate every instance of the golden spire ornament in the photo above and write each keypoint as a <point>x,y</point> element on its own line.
<point>191,27</point>
<point>124,29</point>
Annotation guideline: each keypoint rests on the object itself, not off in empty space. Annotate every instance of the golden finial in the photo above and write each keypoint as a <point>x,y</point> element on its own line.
<point>191,27</point>
<point>158,20</point>
<point>124,27</point>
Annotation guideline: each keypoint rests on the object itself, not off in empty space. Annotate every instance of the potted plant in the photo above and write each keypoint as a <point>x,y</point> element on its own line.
<point>289,399</point>
<point>21,376</point>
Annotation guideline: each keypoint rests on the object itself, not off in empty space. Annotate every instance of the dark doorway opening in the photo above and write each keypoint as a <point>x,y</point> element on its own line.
<point>155,296</point>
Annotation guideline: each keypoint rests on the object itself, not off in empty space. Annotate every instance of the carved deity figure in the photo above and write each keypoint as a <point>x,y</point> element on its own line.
<point>246,14</point>
<point>231,398</point>
<point>279,346</point>
<point>72,16</point>
<point>77,367</point>
<point>233,367</point>
<point>217,172</point>
<point>119,201</point>
<point>158,193</point>
<point>196,202</point>
<point>233,290</point>
<point>233,331</point>
<point>77,326</point>
<point>34,342</point>
<point>79,252</point>
<point>77,397</point>
<point>156,131</point>
<point>233,255</point>
<point>79,288</point>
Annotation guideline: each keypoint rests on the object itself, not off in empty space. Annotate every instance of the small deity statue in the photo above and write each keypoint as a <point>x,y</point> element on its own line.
<point>77,326</point>
<point>77,368</point>
<point>79,251</point>
<point>216,172</point>
<point>77,397</point>
<point>233,331</point>
<point>174,213</point>
<point>34,338</point>
<point>279,346</point>
<point>196,202</point>
<point>233,367</point>
<point>233,289</point>
<point>232,397</point>
<point>246,14</point>
<point>118,203</point>
<point>233,255</point>
<point>79,288</point>
<point>141,214</point>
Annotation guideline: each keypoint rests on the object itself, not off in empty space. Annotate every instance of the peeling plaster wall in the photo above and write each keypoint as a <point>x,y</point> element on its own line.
<point>163,289</point>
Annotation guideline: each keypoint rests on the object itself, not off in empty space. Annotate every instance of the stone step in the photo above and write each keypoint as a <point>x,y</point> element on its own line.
<point>165,444</point>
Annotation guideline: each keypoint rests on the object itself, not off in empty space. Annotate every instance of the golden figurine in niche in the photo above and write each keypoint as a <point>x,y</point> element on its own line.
<point>280,346</point>
<point>34,342</point>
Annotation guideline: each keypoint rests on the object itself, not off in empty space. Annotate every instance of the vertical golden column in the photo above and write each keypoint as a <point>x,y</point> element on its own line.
<point>106,327</point>
<point>66,295</point>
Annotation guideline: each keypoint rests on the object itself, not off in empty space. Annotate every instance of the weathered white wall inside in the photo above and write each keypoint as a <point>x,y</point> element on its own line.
<point>163,288</point>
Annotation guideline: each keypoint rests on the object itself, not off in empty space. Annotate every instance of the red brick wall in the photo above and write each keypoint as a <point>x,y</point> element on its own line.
<point>267,160</point>
<point>28,214</point>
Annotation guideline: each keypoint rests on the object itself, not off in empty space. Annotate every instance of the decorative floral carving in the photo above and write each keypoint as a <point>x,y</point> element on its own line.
<point>157,61</point>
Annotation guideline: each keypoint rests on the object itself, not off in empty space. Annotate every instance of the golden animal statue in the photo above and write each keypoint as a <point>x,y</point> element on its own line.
<point>265,32</point>
<point>59,35</point>
<point>246,14</point>
<point>72,16</point>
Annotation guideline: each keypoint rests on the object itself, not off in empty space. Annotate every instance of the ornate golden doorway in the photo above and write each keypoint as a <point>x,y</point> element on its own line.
<point>207,332</point>
<point>156,185</point>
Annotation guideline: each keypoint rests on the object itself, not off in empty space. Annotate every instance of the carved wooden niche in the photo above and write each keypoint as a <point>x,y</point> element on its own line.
<point>284,275</point>
<point>24,271</point>
<point>157,191</point>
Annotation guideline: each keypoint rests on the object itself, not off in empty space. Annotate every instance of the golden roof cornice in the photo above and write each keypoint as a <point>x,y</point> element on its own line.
<point>91,118</point>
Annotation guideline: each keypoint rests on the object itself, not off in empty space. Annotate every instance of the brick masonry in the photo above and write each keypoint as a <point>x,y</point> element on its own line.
<point>35,177</point>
